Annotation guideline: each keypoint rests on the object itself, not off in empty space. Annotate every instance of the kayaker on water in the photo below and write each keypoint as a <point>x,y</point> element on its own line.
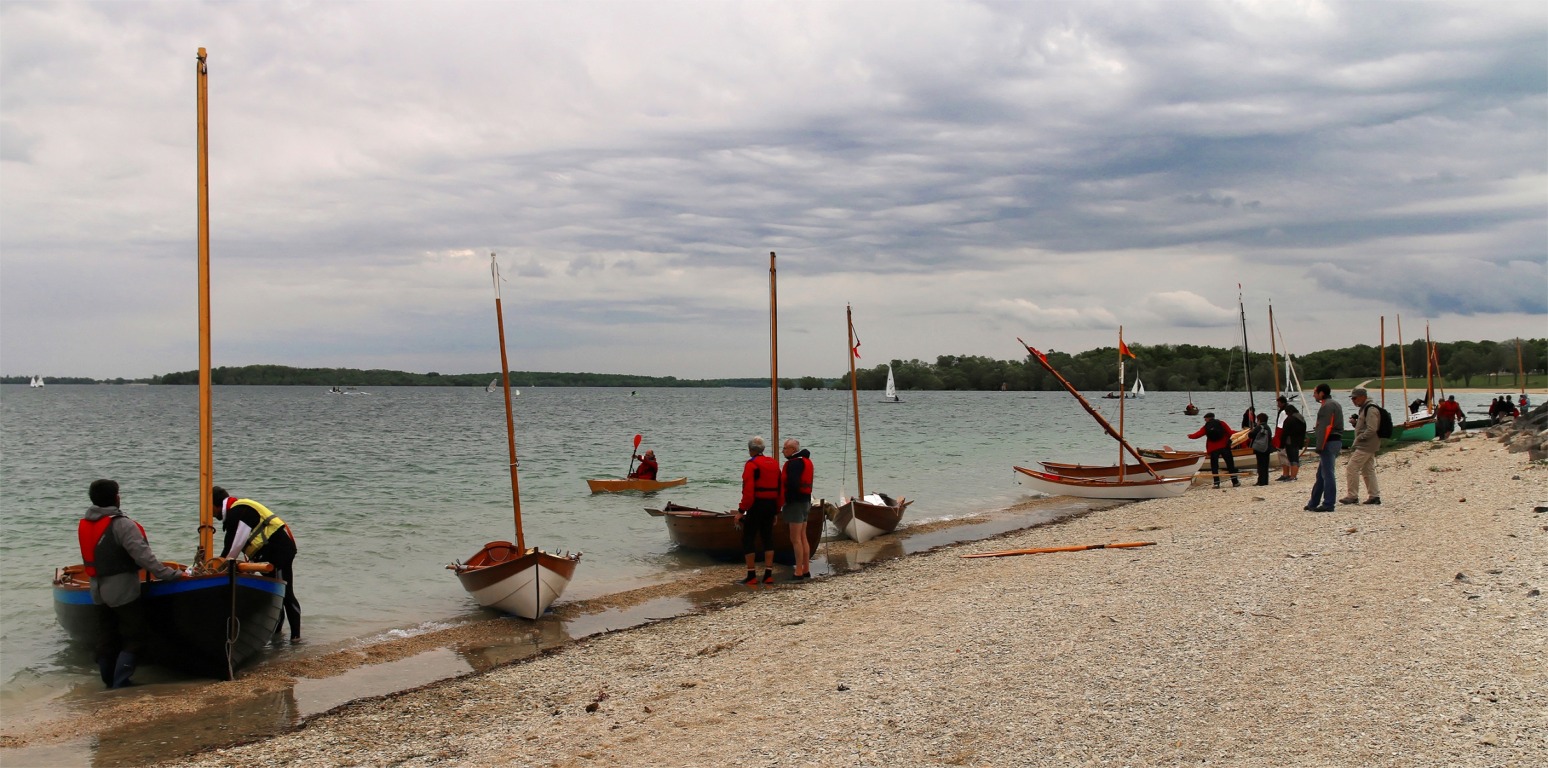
<point>647,469</point>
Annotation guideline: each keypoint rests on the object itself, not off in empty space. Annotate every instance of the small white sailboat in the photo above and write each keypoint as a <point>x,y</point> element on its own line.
<point>502,575</point>
<point>37,382</point>
<point>891,394</point>
<point>1138,390</point>
<point>490,386</point>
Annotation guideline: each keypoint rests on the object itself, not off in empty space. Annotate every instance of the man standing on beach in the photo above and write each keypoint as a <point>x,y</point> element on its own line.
<point>252,530</point>
<point>761,496</point>
<point>1362,459</point>
<point>1330,440</point>
<point>1448,415</point>
<point>114,548</point>
<point>1218,443</point>
<point>797,474</point>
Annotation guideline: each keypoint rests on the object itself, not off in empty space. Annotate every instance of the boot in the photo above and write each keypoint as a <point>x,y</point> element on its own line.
<point>123,670</point>
<point>105,666</point>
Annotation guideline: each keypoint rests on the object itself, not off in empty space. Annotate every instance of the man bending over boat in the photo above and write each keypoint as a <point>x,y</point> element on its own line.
<point>647,468</point>
<point>252,530</point>
<point>761,497</point>
<point>1217,441</point>
<point>114,548</point>
<point>797,506</point>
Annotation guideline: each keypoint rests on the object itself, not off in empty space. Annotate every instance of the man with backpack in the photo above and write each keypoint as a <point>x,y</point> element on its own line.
<point>1362,459</point>
<point>1217,441</point>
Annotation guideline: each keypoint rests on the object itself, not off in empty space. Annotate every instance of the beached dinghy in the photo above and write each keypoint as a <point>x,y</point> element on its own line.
<point>864,517</point>
<point>719,535</point>
<point>214,621</point>
<point>1180,467</point>
<point>505,576</point>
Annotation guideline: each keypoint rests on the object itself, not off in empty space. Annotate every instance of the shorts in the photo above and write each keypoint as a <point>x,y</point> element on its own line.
<point>1293,458</point>
<point>795,512</point>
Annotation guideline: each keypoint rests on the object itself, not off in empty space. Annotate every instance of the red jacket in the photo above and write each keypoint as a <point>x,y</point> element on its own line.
<point>1448,409</point>
<point>760,480</point>
<point>1214,445</point>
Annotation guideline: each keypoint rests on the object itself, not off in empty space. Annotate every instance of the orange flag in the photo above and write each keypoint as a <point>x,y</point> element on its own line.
<point>1123,349</point>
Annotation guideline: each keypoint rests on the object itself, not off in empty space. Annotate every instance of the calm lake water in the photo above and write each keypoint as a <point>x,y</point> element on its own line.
<point>384,489</point>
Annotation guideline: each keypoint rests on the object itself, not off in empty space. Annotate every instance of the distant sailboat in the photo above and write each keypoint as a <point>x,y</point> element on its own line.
<point>891,395</point>
<point>490,386</point>
<point>37,382</point>
<point>1138,390</point>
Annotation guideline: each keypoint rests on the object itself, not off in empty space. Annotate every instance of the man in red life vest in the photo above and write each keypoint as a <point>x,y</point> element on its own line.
<point>762,496</point>
<point>797,480</point>
<point>1217,441</point>
<point>647,469</point>
<point>252,530</point>
<point>114,549</point>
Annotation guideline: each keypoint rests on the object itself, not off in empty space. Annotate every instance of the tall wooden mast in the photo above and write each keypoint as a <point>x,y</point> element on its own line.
<point>854,398</point>
<point>510,420</point>
<point>774,357</point>
<point>206,418</point>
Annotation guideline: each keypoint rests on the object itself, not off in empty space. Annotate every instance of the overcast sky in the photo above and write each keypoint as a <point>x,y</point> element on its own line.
<point>963,173</point>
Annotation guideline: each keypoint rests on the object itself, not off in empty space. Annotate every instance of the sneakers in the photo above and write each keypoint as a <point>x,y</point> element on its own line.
<point>1323,509</point>
<point>768,577</point>
<point>1372,500</point>
<point>1283,479</point>
<point>1349,500</point>
<point>752,578</point>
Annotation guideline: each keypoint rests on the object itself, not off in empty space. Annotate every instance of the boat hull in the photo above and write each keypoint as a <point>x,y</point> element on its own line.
<point>1179,467</point>
<point>524,584</point>
<point>863,521</point>
<point>719,535</point>
<point>189,619</point>
<point>1417,430</point>
<point>1091,488</point>
<point>633,484</point>
<point>1242,456</point>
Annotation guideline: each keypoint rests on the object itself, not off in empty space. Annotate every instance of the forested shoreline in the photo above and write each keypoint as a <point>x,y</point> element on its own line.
<point>1164,367</point>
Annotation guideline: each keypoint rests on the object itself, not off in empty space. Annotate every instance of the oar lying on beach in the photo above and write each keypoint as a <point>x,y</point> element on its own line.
<point>1045,550</point>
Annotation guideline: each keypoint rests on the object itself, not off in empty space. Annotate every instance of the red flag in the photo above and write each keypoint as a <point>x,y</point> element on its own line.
<point>856,348</point>
<point>1039,355</point>
<point>1123,349</point>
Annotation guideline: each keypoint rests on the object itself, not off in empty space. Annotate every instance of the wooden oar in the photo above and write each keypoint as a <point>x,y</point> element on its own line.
<point>1045,550</point>
<point>632,452</point>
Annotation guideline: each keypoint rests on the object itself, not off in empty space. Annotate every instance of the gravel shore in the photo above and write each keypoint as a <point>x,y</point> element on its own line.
<point>1252,633</point>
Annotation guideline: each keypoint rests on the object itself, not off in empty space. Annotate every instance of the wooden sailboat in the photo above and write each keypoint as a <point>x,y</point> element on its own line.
<point>1190,409</point>
<point>1121,484</point>
<point>863,517</point>
<point>717,533</point>
<point>1417,425</point>
<point>214,621</point>
<point>505,576</point>
<point>643,485</point>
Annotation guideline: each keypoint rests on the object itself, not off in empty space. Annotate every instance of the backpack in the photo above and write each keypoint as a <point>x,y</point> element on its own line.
<point>1384,427</point>
<point>1262,443</point>
<point>1214,430</point>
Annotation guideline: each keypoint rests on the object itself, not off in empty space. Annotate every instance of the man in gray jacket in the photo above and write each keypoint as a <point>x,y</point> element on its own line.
<point>1329,439</point>
<point>114,549</point>
<point>1362,459</point>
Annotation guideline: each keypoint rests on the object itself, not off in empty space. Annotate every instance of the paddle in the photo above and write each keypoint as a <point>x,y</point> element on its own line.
<point>632,452</point>
<point>1079,548</point>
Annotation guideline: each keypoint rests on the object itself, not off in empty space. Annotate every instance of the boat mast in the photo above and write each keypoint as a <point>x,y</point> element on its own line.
<point>1383,362</point>
<point>1122,396</point>
<point>510,421</point>
<point>1431,370</point>
<point>1246,369</point>
<point>854,397</point>
<point>1402,362</point>
<point>774,357</point>
<point>206,419</point>
<point>1038,356</point>
<point>1273,354</point>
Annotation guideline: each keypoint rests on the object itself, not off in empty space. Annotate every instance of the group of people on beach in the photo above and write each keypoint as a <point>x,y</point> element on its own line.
<point>114,547</point>
<point>769,491</point>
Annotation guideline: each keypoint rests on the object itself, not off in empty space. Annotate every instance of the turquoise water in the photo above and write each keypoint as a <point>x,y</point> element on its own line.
<point>383,490</point>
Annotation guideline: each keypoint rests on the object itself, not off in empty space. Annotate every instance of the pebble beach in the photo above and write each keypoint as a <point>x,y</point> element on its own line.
<point>1251,633</point>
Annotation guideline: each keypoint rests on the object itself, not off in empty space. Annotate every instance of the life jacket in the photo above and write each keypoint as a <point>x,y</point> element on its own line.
<point>802,486</point>
<point>114,559</point>
<point>765,477</point>
<point>268,525</point>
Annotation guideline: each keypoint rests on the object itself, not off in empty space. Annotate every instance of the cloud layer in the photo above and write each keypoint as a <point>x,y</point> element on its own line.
<point>962,173</point>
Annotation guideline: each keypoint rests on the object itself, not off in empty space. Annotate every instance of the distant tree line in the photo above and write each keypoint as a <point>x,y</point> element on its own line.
<point>1189,367</point>
<point>1164,367</point>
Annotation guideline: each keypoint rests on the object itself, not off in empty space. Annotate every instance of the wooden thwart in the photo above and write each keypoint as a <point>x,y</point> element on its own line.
<point>1045,550</point>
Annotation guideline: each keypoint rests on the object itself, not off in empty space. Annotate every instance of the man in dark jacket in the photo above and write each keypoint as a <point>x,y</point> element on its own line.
<point>252,530</point>
<point>114,549</point>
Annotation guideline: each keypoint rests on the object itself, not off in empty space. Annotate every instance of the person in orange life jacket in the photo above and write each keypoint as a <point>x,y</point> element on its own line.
<point>252,530</point>
<point>762,496</point>
<point>647,469</point>
<point>797,482</point>
<point>1218,443</point>
<point>114,548</point>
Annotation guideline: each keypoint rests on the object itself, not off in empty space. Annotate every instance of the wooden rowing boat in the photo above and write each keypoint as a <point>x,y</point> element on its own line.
<point>1144,487</point>
<point>214,621</point>
<point>608,485</point>
<point>501,575</point>
<point>718,534</point>
<point>1183,466</point>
